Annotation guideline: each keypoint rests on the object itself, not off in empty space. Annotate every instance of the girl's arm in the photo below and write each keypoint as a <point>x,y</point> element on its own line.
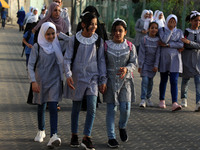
<point>177,44</point>
<point>157,57</point>
<point>68,57</point>
<point>102,64</point>
<point>133,62</point>
<point>32,61</point>
<point>165,35</point>
<point>137,25</point>
<point>141,55</point>
<point>194,45</point>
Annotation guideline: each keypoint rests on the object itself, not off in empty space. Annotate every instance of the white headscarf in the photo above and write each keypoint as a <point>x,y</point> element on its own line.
<point>168,18</point>
<point>155,14</point>
<point>50,47</point>
<point>146,20</point>
<point>161,22</point>
<point>32,18</point>
<point>151,12</point>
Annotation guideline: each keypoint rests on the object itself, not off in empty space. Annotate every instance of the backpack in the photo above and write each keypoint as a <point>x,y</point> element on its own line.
<point>27,38</point>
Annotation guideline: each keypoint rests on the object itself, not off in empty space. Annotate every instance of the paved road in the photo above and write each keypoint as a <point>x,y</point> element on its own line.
<point>149,128</point>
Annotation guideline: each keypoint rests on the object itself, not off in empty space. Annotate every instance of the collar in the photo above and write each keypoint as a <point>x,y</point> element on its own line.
<point>152,39</point>
<point>85,40</point>
<point>193,31</point>
<point>117,46</point>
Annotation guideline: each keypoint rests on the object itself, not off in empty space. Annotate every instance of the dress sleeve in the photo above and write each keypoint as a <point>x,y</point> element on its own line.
<point>141,55</point>
<point>133,62</point>
<point>102,64</point>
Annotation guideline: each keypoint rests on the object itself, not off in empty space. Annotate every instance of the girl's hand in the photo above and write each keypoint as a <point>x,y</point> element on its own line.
<point>186,41</point>
<point>102,88</point>
<point>35,87</point>
<point>70,83</point>
<point>155,69</point>
<point>160,43</point>
<point>180,49</point>
<point>139,70</point>
<point>30,46</point>
<point>122,72</point>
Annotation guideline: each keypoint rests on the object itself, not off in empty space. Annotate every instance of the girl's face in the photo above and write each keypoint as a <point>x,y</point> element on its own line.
<point>91,29</point>
<point>35,12</point>
<point>195,23</point>
<point>146,15</point>
<point>161,16</point>
<point>56,12</point>
<point>153,30</point>
<point>50,35</point>
<point>171,23</point>
<point>119,34</point>
<point>150,15</point>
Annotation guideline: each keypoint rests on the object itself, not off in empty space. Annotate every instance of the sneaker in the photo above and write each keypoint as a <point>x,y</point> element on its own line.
<point>87,144</point>
<point>184,102</point>
<point>197,109</point>
<point>74,141</point>
<point>143,103</point>
<point>54,141</point>
<point>149,103</point>
<point>176,106</point>
<point>40,136</point>
<point>123,135</point>
<point>162,104</point>
<point>112,143</point>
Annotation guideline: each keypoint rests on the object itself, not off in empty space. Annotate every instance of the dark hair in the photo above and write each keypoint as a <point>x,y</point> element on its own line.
<point>87,18</point>
<point>150,24</point>
<point>91,9</point>
<point>115,24</point>
<point>188,19</point>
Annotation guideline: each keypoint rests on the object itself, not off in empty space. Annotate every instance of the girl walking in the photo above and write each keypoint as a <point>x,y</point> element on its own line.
<point>170,60</point>
<point>191,58</point>
<point>121,61</point>
<point>45,70</point>
<point>148,59</point>
<point>85,70</point>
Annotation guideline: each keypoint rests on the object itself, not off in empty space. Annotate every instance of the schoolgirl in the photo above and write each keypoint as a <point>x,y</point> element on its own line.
<point>191,59</point>
<point>121,62</point>
<point>85,70</point>
<point>160,19</point>
<point>141,27</point>
<point>170,60</point>
<point>45,70</point>
<point>148,59</point>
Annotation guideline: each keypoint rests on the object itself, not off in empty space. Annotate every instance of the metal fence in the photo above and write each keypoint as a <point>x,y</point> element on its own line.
<point>130,10</point>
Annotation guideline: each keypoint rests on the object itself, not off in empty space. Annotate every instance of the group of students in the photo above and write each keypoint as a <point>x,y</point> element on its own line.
<point>93,63</point>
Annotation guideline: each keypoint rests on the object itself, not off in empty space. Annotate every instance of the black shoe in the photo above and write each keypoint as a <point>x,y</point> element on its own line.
<point>123,135</point>
<point>87,144</point>
<point>74,141</point>
<point>112,143</point>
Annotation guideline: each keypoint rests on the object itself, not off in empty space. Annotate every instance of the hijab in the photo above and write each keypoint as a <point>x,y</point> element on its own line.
<point>146,20</point>
<point>32,18</point>
<point>170,17</point>
<point>161,22</point>
<point>50,47</point>
<point>60,24</point>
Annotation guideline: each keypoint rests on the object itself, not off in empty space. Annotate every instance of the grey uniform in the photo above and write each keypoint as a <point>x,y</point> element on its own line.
<point>191,54</point>
<point>139,26</point>
<point>87,71</point>
<point>149,56</point>
<point>118,56</point>
<point>170,57</point>
<point>47,74</point>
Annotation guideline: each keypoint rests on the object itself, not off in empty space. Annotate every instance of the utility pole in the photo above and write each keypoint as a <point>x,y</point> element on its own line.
<point>18,4</point>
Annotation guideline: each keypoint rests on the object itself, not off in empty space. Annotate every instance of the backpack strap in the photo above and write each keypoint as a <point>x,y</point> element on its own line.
<point>76,45</point>
<point>186,33</point>
<point>105,46</point>
<point>37,56</point>
<point>129,45</point>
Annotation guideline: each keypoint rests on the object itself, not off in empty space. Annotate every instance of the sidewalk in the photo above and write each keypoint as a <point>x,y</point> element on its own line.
<point>148,129</point>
